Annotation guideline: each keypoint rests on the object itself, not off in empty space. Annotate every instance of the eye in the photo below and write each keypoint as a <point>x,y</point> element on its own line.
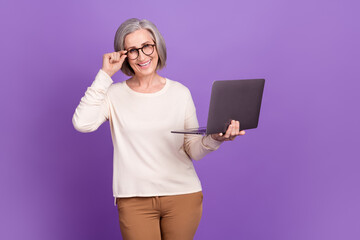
<point>148,49</point>
<point>133,51</point>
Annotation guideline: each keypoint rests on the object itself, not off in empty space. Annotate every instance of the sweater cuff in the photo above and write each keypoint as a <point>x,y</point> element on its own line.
<point>102,81</point>
<point>210,143</point>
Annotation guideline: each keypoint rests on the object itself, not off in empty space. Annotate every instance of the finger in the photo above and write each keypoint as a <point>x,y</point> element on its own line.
<point>228,132</point>
<point>111,57</point>
<point>233,129</point>
<point>122,58</point>
<point>234,132</point>
<point>242,132</point>
<point>121,54</point>
<point>115,57</point>
<point>107,56</point>
<point>237,127</point>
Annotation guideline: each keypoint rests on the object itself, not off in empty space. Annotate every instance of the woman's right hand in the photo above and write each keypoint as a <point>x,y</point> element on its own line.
<point>112,62</point>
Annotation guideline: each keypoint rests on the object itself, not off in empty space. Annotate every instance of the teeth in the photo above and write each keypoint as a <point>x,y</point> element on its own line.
<point>145,64</point>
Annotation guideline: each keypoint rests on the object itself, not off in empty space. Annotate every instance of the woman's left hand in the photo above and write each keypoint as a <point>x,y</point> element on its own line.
<point>231,133</point>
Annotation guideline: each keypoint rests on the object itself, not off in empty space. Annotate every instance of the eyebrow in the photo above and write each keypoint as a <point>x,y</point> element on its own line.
<point>141,44</point>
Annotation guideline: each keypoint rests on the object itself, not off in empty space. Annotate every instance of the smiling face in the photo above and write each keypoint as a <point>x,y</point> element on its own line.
<point>143,65</point>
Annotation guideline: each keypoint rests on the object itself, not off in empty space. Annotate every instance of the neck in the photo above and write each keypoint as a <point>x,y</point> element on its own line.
<point>146,81</point>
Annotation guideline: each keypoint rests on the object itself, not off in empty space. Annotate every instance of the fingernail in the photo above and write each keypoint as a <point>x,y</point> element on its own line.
<point>220,134</point>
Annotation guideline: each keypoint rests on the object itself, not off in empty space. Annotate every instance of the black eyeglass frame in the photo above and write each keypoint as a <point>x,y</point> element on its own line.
<point>142,49</point>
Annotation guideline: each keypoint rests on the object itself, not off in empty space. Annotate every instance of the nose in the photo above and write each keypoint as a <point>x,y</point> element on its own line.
<point>141,55</point>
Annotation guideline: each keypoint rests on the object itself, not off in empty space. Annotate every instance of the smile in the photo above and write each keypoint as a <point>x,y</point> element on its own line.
<point>145,64</point>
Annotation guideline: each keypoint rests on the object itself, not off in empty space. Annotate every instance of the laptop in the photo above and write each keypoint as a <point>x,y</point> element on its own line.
<point>238,100</point>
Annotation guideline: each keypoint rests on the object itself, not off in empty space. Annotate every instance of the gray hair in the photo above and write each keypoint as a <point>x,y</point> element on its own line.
<point>131,25</point>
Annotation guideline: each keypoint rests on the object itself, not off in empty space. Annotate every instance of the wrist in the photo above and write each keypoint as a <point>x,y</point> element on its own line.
<point>107,72</point>
<point>211,143</point>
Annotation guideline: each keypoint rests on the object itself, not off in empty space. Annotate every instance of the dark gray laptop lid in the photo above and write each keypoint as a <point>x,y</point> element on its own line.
<point>235,100</point>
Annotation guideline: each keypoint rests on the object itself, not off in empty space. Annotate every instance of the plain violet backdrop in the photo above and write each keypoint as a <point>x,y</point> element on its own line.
<point>296,177</point>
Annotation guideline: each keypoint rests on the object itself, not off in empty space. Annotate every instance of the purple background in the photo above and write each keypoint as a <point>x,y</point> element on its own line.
<point>295,177</point>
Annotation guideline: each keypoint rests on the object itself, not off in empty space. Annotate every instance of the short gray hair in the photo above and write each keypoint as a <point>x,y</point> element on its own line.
<point>131,25</point>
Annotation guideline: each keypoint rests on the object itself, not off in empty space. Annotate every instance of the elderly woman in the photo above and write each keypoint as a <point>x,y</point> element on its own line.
<point>156,189</point>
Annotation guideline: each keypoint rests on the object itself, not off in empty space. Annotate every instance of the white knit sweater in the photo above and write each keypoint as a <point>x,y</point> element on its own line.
<point>149,160</point>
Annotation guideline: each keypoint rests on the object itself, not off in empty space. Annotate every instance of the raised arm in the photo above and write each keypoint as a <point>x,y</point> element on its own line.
<point>93,109</point>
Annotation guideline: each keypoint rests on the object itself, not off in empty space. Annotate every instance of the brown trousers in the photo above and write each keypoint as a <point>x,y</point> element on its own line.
<point>160,218</point>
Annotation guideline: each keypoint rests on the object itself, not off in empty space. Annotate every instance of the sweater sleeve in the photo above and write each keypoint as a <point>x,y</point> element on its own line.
<point>93,108</point>
<point>197,146</point>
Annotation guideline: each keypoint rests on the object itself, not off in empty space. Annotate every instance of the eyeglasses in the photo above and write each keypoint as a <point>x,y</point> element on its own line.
<point>147,49</point>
